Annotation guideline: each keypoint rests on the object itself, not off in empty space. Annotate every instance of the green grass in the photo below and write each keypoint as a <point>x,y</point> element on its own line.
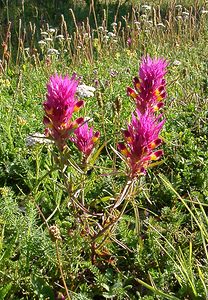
<point>158,249</point>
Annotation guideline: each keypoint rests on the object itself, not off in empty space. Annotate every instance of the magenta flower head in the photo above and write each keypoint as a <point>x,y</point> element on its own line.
<point>149,88</point>
<point>142,137</point>
<point>85,139</point>
<point>59,106</point>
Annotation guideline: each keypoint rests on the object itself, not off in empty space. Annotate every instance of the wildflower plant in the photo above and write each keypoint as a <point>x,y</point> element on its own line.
<point>142,137</point>
<point>111,229</point>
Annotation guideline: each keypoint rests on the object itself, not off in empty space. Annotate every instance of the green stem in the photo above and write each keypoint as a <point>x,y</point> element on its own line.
<point>124,196</point>
<point>61,270</point>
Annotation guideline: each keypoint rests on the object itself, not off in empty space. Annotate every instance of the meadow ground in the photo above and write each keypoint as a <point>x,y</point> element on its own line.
<point>59,238</point>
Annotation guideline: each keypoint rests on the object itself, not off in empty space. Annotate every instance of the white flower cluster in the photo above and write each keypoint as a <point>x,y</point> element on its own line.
<point>37,138</point>
<point>85,91</point>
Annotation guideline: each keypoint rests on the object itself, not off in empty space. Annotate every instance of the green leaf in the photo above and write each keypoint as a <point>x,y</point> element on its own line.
<point>4,290</point>
<point>96,155</point>
<point>43,290</point>
<point>156,291</point>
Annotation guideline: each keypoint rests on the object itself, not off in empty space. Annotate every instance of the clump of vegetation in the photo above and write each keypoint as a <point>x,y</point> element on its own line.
<point>78,219</point>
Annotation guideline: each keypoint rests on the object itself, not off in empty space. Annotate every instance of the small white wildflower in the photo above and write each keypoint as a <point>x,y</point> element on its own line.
<point>42,42</point>
<point>179,6</point>
<point>185,14</point>
<point>79,47</point>
<point>60,36</point>
<point>88,119</point>
<point>106,38</point>
<point>204,11</point>
<point>52,51</point>
<point>146,7</point>
<point>179,18</point>
<point>27,49</point>
<point>48,39</point>
<point>114,24</point>
<point>111,34</point>
<point>87,35</point>
<point>100,28</point>
<point>136,22</point>
<point>37,138</point>
<point>143,17</point>
<point>85,91</point>
<point>176,63</point>
<point>51,30</point>
<point>44,33</point>
<point>161,25</point>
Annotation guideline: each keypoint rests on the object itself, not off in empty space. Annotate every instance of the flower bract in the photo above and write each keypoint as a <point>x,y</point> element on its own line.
<point>85,139</point>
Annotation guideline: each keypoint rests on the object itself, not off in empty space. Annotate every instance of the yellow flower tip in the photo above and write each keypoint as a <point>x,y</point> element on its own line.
<point>152,145</point>
<point>49,111</point>
<point>78,105</point>
<point>137,85</point>
<point>157,92</point>
<point>74,125</point>
<point>125,152</point>
<point>155,143</point>
<point>129,139</point>
<point>159,98</point>
<point>122,148</point>
<point>76,108</point>
<point>64,125</point>
<point>153,157</point>
<point>158,95</point>
<point>94,139</point>
<point>50,125</point>
<point>155,108</point>
<point>156,155</point>
<point>133,95</point>
<point>77,122</point>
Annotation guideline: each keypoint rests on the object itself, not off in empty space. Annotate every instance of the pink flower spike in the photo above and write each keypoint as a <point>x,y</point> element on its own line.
<point>59,106</point>
<point>84,139</point>
<point>150,85</point>
<point>141,139</point>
